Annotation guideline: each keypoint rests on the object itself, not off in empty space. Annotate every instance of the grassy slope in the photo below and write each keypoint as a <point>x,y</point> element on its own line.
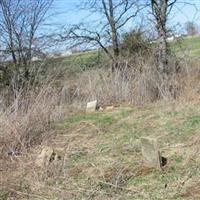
<point>187,46</point>
<point>184,46</point>
<point>80,62</point>
<point>77,62</point>
<point>104,159</point>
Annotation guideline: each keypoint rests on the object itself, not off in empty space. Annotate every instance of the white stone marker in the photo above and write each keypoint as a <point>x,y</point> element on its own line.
<point>150,152</point>
<point>91,106</point>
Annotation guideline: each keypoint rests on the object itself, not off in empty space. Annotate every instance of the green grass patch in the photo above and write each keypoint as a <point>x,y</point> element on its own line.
<point>98,118</point>
<point>191,46</point>
<point>105,160</point>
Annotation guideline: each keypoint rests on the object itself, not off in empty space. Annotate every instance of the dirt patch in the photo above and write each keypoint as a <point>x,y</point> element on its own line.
<point>192,191</point>
<point>75,171</point>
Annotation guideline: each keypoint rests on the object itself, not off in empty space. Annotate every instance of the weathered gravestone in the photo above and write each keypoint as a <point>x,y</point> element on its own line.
<point>48,155</point>
<point>151,153</point>
<point>91,106</point>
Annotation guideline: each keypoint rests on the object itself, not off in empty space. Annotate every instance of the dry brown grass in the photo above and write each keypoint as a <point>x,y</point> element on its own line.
<point>23,123</point>
<point>123,86</point>
<point>23,126</point>
<point>135,84</point>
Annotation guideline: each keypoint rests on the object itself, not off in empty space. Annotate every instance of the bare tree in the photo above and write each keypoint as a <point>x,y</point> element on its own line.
<point>191,28</point>
<point>115,14</point>
<point>19,23</point>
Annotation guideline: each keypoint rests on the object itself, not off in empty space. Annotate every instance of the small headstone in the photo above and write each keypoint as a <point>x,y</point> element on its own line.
<point>91,106</point>
<point>44,157</point>
<point>64,94</point>
<point>151,153</point>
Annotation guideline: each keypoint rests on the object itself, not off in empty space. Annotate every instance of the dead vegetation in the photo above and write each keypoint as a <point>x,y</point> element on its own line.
<point>136,84</point>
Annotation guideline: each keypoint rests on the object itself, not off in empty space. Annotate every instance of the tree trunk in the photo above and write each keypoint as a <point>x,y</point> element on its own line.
<point>108,10</point>
<point>162,51</point>
<point>159,8</point>
<point>113,30</point>
<point>115,42</point>
<point>115,64</point>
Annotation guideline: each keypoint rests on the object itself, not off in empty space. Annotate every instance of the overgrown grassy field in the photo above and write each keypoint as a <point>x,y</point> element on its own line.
<point>103,158</point>
<point>100,153</point>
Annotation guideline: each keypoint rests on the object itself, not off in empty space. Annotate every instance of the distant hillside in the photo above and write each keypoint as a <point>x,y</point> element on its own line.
<point>189,46</point>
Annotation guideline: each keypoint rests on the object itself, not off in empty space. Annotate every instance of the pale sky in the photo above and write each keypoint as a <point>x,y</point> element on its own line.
<point>70,15</point>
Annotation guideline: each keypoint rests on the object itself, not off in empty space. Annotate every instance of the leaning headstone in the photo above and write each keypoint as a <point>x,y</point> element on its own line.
<point>64,94</point>
<point>150,152</point>
<point>91,106</point>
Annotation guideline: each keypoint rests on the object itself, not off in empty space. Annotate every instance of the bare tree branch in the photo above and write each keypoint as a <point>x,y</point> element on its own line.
<point>19,23</point>
<point>114,16</point>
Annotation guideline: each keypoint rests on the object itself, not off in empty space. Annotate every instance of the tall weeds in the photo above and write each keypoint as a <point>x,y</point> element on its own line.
<point>23,123</point>
<point>135,84</point>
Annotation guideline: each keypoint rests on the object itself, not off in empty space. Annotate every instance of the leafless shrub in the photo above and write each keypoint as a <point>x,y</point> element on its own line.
<point>133,84</point>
